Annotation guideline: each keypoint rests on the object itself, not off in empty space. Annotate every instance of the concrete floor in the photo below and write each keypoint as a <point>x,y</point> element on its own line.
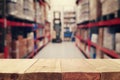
<point>63,50</point>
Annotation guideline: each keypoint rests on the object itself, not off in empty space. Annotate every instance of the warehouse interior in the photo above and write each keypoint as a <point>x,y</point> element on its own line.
<point>83,29</point>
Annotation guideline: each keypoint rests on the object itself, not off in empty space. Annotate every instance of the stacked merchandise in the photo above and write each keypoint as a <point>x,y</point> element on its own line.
<point>8,39</point>
<point>19,47</point>
<point>94,39</point>
<point>117,40</point>
<point>69,23</point>
<point>77,41</point>
<point>85,10</point>
<point>29,12</point>
<point>30,42</point>
<point>1,55</point>
<point>42,16</point>
<point>95,9</point>
<point>109,38</point>
<point>22,46</point>
<point>37,12</point>
<point>21,38</point>
<point>11,8</point>
<point>110,6</point>
<point>47,31</point>
<point>39,35</point>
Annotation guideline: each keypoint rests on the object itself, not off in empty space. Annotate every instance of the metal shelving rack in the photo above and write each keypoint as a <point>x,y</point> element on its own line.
<point>96,26</point>
<point>5,22</point>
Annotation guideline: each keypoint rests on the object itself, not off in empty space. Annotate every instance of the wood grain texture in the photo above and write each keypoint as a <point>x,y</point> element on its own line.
<point>104,65</point>
<point>11,76</point>
<point>76,65</point>
<point>80,76</point>
<point>45,65</point>
<point>110,76</point>
<point>14,69</point>
<point>15,65</point>
<point>60,69</point>
<point>44,69</point>
<point>42,76</point>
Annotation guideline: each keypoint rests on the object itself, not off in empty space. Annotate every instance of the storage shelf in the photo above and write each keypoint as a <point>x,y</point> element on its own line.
<point>109,23</point>
<point>15,24</point>
<point>87,56</point>
<point>41,37</point>
<point>106,51</point>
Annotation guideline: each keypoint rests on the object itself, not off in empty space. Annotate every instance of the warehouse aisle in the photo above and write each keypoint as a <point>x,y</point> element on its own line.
<point>64,50</point>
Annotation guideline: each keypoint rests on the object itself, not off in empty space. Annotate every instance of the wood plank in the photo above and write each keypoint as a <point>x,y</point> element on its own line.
<point>76,65</point>
<point>114,73</point>
<point>78,69</point>
<point>109,69</point>
<point>80,76</point>
<point>13,69</point>
<point>44,69</point>
<point>104,65</point>
<point>110,76</point>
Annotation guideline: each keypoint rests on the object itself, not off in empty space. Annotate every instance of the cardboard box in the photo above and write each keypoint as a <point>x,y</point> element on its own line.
<point>108,41</point>
<point>29,12</point>
<point>1,55</point>
<point>95,9</point>
<point>117,42</point>
<point>110,6</point>
<point>13,8</point>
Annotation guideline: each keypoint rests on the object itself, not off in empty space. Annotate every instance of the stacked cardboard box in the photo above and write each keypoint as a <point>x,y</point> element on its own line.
<point>8,42</point>
<point>22,46</point>
<point>108,40</point>
<point>110,6</point>
<point>39,44</point>
<point>19,47</point>
<point>42,17</point>
<point>11,7</point>
<point>30,42</point>
<point>38,12</point>
<point>95,9</point>
<point>117,42</point>
<point>15,49</point>
<point>39,33</point>
<point>29,12</point>
<point>1,55</point>
<point>85,10</point>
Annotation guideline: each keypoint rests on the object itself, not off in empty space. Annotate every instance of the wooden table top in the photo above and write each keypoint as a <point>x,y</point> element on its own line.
<point>60,69</point>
